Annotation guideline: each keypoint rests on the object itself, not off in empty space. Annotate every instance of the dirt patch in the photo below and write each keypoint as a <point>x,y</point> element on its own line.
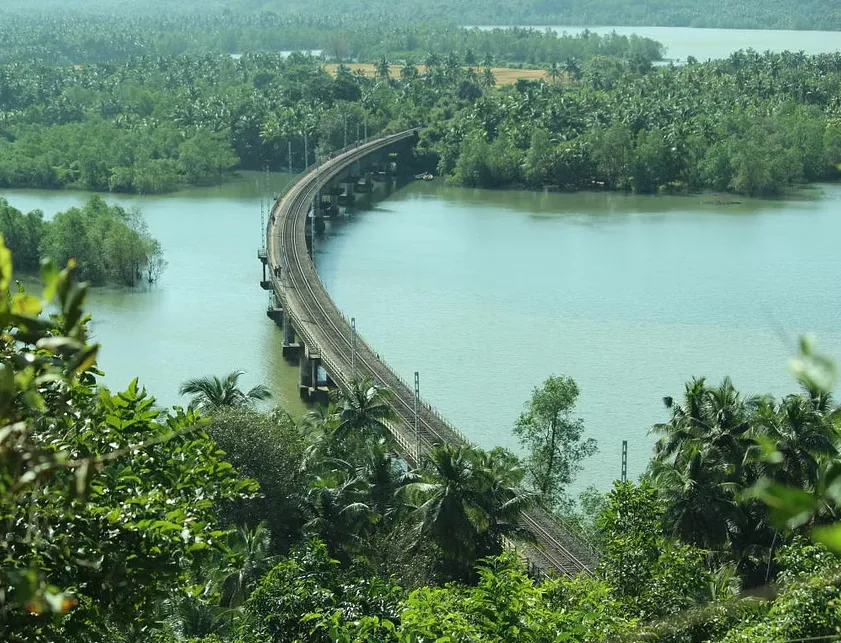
<point>504,75</point>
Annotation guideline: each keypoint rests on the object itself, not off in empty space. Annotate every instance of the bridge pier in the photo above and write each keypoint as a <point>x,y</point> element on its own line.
<point>291,350</point>
<point>263,256</point>
<point>347,197</point>
<point>310,386</point>
<point>365,184</point>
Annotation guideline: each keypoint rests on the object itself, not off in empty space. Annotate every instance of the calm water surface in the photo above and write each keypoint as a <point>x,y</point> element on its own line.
<point>488,293</point>
<point>704,44</point>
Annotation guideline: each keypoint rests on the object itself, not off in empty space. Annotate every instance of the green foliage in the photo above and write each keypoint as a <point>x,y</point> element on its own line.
<point>211,394</point>
<point>306,590</point>
<point>553,439</point>
<point>467,502</point>
<point>268,448</point>
<point>752,124</point>
<point>105,500</point>
<point>109,244</point>
<point>23,233</point>
<point>506,605</point>
<point>652,575</point>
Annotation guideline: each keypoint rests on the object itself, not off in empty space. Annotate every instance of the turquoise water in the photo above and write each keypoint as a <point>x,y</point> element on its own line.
<point>488,293</point>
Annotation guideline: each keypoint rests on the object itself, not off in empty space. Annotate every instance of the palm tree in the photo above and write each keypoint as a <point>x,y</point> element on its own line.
<point>211,393</point>
<point>383,69</point>
<point>340,515</point>
<point>252,558</point>
<point>802,436</point>
<point>364,412</point>
<point>467,501</point>
<point>446,500</point>
<point>700,504</point>
<point>503,501</point>
<point>385,474</point>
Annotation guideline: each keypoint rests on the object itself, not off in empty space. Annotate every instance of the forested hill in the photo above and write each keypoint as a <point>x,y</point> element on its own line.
<point>761,14</point>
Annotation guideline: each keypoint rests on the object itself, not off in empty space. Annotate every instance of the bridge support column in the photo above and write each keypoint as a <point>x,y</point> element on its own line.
<point>305,374</point>
<point>275,313</point>
<point>309,385</point>
<point>290,348</point>
<point>263,256</point>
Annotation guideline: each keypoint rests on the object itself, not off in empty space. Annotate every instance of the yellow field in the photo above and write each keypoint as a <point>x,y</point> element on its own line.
<point>504,75</point>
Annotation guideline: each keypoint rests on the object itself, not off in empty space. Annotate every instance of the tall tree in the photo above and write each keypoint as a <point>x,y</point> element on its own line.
<point>553,439</point>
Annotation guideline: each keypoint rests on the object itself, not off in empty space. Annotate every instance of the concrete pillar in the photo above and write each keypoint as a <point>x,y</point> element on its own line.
<point>314,364</point>
<point>288,331</point>
<point>305,378</point>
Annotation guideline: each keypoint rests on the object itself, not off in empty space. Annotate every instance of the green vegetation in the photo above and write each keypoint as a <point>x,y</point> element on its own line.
<point>124,522</point>
<point>553,440</point>
<point>79,38</point>
<point>247,15</point>
<point>108,243</point>
<point>752,124</point>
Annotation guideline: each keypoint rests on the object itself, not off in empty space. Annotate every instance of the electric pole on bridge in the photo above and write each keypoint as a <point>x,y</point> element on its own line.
<point>262,225</point>
<point>290,157</point>
<point>624,461</point>
<point>344,118</point>
<point>417,415</point>
<point>353,346</point>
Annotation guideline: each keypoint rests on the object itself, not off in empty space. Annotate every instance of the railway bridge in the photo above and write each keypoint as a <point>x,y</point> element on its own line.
<point>318,335</point>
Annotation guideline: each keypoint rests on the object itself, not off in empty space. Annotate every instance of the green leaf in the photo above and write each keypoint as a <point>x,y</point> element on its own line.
<point>50,275</point>
<point>829,535</point>
<point>5,269</point>
<point>26,304</point>
<point>790,507</point>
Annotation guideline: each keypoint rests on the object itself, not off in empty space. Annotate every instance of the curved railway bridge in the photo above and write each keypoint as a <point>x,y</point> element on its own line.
<point>320,337</point>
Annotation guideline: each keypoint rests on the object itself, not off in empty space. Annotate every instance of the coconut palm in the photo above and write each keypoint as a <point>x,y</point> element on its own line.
<point>700,503</point>
<point>252,558</point>
<point>446,498</point>
<point>502,501</point>
<point>801,434</point>
<point>210,393</point>
<point>383,69</point>
<point>363,412</point>
<point>340,515</point>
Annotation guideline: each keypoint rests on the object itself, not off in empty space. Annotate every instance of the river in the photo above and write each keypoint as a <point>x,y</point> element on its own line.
<point>488,293</point>
<point>704,44</point>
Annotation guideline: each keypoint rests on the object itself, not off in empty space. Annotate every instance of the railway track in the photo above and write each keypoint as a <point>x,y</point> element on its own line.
<point>322,327</point>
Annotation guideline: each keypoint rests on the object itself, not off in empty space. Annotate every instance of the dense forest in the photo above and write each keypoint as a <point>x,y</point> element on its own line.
<point>221,523</point>
<point>729,14</point>
<point>78,39</point>
<point>751,124</point>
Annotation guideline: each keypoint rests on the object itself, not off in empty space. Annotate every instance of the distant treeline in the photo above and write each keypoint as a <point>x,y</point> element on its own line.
<point>753,124</point>
<point>746,14</point>
<point>76,38</point>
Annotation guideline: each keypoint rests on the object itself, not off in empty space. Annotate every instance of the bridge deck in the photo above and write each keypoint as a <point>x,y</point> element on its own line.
<point>322,327</point>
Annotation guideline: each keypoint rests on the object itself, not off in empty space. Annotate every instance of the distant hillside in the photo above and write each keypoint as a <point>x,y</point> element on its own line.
<point>765,14</point>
